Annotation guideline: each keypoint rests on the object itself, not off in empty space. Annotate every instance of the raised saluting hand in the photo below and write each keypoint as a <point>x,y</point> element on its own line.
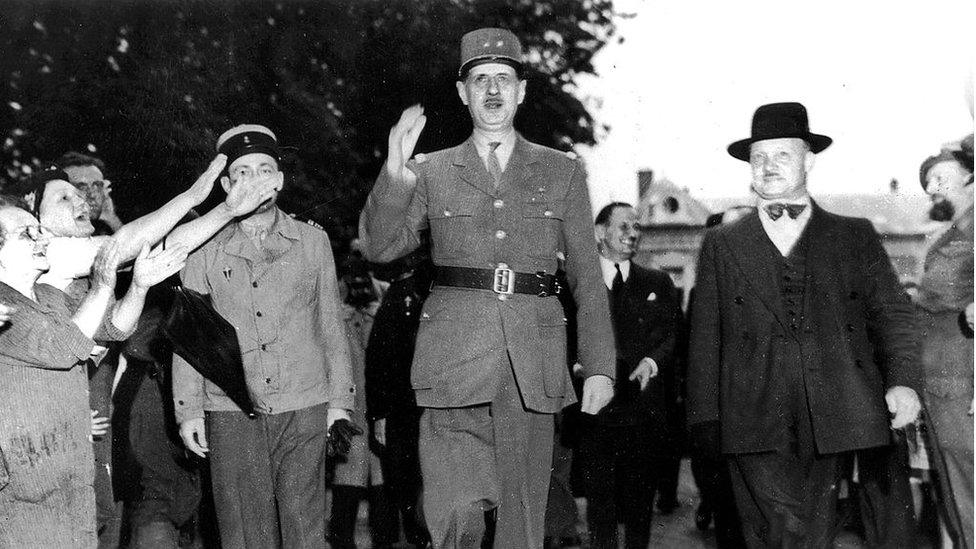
<point>403,138</point>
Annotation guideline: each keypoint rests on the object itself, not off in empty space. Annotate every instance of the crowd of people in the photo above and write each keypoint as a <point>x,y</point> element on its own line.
<point>485,353</point>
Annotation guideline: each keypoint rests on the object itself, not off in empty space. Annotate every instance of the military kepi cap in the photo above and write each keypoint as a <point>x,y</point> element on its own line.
<point>247,139</point>
<point>489,45</point>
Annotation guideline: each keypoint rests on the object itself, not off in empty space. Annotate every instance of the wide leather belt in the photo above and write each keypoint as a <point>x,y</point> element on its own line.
<point>501,280</point>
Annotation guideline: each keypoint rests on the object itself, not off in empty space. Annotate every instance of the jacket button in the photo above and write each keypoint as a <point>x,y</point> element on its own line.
<point>794,327</point>
<point>264,347</point>
<point>258,313</point>
<point>447,213</point>
<point>500,234</point>
<point>853,295</point>
<point>181,403</point>
<point>498,203</point>
<point>738,300</point>
<point>858,363</point>
<point>547,213</point>
<point>267,380</point>
<point>254,284</point>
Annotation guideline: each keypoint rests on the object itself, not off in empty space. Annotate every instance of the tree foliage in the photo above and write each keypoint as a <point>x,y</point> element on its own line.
<point>148,86</point>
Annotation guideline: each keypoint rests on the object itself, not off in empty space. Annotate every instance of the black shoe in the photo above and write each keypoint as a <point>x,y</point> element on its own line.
<point>703,518</point>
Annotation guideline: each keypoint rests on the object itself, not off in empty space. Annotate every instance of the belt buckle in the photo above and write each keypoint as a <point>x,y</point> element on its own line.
<point>504,280</point>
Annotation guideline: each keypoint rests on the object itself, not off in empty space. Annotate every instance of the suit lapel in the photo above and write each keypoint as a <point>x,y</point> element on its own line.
<point>821,263</point>
<point>753,252</point>
<point>471,169</point>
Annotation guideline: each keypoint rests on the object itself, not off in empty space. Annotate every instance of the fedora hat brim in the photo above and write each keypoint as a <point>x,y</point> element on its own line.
<point>817,142</point>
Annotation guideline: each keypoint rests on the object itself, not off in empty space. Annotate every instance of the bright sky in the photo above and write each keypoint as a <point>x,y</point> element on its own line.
<point>888,80</point>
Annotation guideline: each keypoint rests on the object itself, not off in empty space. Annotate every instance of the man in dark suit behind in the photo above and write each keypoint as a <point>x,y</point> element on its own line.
<point>801,342</point>
<point>623,448</point>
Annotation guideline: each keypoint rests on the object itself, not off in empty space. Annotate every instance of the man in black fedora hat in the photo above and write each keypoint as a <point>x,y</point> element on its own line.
<point>489,368</point>
<point>802,349</point>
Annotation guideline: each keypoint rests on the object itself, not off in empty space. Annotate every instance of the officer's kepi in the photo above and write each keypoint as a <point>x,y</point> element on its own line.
<point>490,45</point>
<point>247,139</point>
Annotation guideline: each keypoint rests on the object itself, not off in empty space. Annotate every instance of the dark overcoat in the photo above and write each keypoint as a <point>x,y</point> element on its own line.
<point>854,339</point>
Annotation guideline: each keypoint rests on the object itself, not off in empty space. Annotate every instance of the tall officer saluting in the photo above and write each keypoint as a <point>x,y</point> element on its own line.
<point>490,362</point>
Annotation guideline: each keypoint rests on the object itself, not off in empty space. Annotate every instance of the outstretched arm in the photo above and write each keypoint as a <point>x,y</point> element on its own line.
<point>241,200</point>
<point>150,269</point>
<point>151,228</point>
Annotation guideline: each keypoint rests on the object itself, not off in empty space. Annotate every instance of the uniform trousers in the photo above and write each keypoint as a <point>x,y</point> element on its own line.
<point>268,477</point>
<point>561,513</point>
<point>401,471</point>
<point>620,465</point>
<point>491,457</point>
<point>950,435</point>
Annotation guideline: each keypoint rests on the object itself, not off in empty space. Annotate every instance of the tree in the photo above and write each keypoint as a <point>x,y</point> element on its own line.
<point>149,86</point>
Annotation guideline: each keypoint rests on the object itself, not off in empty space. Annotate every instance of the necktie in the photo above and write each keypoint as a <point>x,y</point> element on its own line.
<point>494,166</point>
<point>776,209</point>
<point>617,287</point>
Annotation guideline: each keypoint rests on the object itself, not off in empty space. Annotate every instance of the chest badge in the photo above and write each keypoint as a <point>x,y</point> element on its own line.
<point>652,296</point>
<point>227,272</point>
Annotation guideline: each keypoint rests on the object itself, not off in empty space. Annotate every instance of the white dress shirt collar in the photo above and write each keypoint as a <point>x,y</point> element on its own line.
<point>785,231</point>
<point>609,272</point>
<point>504,151</point>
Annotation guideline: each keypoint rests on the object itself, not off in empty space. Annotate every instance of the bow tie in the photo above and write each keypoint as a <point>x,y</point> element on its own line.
<point>776,209</point>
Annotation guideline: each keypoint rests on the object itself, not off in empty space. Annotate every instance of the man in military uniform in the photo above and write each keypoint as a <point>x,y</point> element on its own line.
<point>489,368</point>
<point>274,279</point>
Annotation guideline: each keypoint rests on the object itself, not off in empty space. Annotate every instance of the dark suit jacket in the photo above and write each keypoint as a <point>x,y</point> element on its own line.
<point>856,337</point>
<point>646,324</point>
<point>539,210</point>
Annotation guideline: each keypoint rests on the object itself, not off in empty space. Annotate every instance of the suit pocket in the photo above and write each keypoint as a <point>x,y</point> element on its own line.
<point>449,231</point>
<point>432,350</point>
<point>542,222</point>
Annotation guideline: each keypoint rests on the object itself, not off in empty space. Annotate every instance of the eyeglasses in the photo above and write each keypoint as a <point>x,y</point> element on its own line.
<point>30,232</point>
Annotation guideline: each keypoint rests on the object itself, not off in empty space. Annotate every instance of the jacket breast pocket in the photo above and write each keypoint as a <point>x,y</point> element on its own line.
<point>543,222</point>
<point>450,229</point>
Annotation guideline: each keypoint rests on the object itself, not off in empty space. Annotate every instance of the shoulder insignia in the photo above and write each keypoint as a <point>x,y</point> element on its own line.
<point>420,158</point>
<point>306,221</point>
<point>571,155</point>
